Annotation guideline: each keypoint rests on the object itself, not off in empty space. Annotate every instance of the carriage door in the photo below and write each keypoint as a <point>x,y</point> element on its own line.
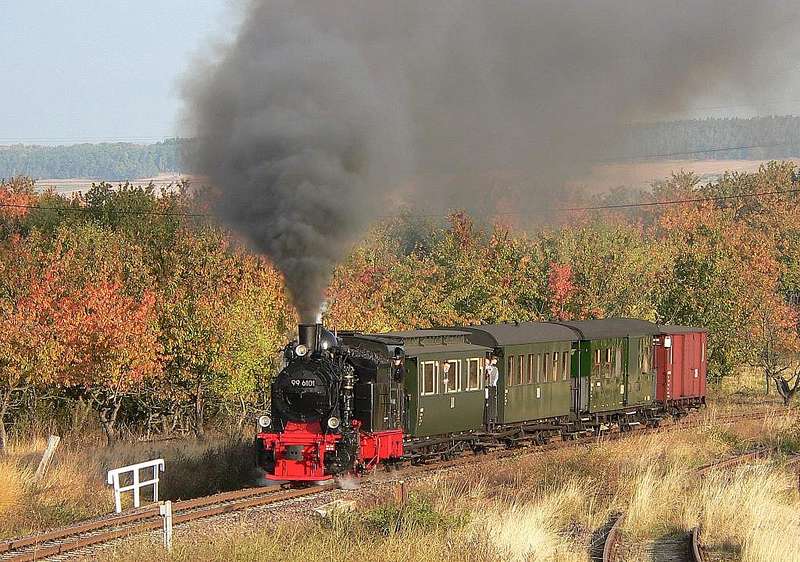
<point>579,386</point>
<point>693,362</point>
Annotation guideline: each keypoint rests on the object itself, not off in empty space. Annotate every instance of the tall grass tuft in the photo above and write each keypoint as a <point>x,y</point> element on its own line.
<point>754,509</point>
<point>534,531</point>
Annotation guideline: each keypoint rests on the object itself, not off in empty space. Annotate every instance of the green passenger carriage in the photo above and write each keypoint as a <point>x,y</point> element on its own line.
<point>534,359</point>
<point>614,370</point>
<point>444,381</point>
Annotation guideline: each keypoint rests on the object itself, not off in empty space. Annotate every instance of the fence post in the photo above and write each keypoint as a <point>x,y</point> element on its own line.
<point>166,513</point>
<point>52,444</point>
<point>401,494</point>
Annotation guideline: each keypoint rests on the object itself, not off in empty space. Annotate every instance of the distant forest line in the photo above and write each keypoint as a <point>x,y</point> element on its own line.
<point>757,138</point>
<point>116,161</point>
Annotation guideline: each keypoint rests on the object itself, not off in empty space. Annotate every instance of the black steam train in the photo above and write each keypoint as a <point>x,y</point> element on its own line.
<point>330,414</point>
<point>343,403</point>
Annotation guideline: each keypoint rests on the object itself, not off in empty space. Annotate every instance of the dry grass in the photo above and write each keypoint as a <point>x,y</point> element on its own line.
<point>534,507</point>
<point>70,490</point>
<point>545,507</point>
<point>744,387</point>
<point>754,510</point>
<point>534,531</point>
<point>75,488</point>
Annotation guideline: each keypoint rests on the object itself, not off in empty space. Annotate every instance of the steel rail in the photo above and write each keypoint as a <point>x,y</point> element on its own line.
<point>695,550</point>
<point>612,539</point>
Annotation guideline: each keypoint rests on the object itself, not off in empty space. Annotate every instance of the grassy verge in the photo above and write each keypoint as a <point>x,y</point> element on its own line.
<point>74,487</point>
<point>545,507</point>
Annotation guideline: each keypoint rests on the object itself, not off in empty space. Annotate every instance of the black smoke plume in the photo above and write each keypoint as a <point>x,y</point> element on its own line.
<point>319,110</point>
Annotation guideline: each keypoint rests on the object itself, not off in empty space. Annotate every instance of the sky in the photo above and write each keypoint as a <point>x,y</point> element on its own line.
<point>109,70</point>
<point>94,70</point>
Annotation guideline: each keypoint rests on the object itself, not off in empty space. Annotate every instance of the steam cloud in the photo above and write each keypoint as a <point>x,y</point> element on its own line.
<point>319,110</point>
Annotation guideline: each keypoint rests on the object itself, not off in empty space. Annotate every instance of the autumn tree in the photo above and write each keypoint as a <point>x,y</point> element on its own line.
<point>222,318</point>
<point>110,346</point>
<point>29,352</point>
<point>722,275</point>
<point>777,345</point>
<point>16,196</point>
<point>612,270</point>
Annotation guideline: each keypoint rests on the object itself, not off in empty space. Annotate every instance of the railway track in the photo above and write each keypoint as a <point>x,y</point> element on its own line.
<point>681,424</point>
<point>70,539</point>
<point>678,549</point>
<point>59,542</point>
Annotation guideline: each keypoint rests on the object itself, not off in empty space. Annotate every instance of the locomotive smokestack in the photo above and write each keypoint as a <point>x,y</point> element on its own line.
<point>308,335</point>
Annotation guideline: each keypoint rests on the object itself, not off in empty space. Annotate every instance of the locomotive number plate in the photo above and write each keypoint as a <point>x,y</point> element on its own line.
<point>305,383</point>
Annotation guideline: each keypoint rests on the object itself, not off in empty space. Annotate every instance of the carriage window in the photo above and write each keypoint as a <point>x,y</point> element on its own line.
<point>531,372</point>
<point>555,366</point>
<point>566,363</point>
<point>474,378</point>
<point>597,357</point>
<point>539,367</point>
<point>702,351</point>
<point>510,371</point>
<point>451,377</point>
<point>645,358</point>
<point>545,367</point>
<point>605,367</point>
<point>428,373</point>
<point>520,369</point>
<point>617,361</point>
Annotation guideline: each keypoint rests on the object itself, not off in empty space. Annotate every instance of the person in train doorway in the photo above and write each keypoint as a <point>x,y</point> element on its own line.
<point>446,376</point>
<point>398,367</point>
<point>397,395</point>
<point>492,372</point>
<point>492,375</point>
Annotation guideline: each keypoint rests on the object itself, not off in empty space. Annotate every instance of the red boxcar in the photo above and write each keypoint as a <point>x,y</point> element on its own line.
<point>680,361</point>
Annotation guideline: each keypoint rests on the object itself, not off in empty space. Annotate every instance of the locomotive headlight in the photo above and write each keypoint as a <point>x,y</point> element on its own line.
<point>333,422</point>
<point>264,421</point>
<point>300,350</point>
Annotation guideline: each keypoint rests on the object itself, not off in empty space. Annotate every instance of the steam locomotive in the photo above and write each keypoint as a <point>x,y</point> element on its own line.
<point>325,420</point>
<point>345,403</point>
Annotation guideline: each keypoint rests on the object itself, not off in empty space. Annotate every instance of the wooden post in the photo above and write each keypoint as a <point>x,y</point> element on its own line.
<point>401,493</point>
<point>52,443</point>
<point>166,513</point>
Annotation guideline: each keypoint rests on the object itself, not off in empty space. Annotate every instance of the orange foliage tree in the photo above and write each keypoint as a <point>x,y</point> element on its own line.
<point>110,346</point>
<point>29,352</point>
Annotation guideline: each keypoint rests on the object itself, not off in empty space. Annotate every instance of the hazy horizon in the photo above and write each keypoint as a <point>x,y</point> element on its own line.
<point>94,71</point>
